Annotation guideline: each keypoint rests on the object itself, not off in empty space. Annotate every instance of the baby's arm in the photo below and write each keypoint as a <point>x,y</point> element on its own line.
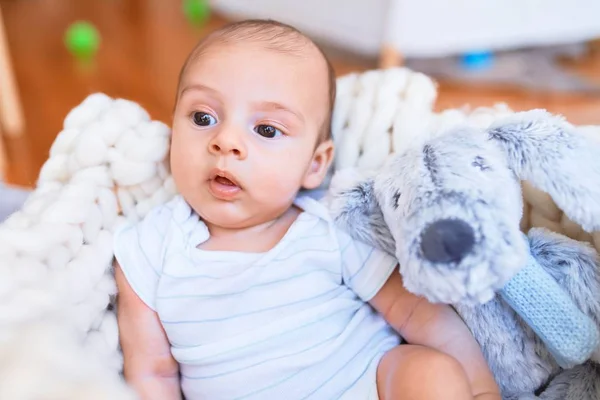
<point>436,326</point>
<point>149,366</point>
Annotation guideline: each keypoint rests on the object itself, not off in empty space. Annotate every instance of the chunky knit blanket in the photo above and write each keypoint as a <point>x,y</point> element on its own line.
<point>58,329</point>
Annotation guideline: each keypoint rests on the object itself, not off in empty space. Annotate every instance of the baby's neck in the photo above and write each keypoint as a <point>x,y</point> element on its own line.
<point>253,239</point>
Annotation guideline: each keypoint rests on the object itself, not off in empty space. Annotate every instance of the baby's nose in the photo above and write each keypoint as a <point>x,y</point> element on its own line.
<point>228,142</point>
<point>215,148</point>
<point>447,240</point>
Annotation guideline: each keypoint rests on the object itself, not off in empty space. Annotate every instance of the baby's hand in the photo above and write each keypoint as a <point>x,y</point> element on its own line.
<point>439,327</point>
<point>148,365</point>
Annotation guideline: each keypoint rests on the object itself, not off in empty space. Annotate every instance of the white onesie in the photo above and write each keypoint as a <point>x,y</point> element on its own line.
<point>291,323</point>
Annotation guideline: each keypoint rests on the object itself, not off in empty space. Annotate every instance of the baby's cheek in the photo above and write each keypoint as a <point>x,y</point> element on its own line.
<point>179,164</point>
<point>282,180</point>
<point>186,171</point>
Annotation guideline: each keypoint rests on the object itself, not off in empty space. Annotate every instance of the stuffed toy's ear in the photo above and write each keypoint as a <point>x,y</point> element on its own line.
<point>352,203</point>
<point>557,158</point>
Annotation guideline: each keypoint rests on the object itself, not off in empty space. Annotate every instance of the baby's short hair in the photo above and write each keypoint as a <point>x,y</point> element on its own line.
<point>275,36</point>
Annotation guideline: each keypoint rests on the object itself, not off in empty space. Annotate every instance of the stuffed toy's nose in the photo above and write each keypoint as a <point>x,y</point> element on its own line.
<point>447,240</point>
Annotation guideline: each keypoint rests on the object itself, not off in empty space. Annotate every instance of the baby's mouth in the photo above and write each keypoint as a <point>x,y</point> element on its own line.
<point>223,177</point>
<point>223,185</point>
<point>224,181</point>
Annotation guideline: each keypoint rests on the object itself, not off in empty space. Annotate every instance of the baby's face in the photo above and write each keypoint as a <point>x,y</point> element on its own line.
<point>245,130</point>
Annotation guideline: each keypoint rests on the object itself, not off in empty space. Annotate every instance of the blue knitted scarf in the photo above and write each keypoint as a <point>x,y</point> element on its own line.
<point>569,334</point>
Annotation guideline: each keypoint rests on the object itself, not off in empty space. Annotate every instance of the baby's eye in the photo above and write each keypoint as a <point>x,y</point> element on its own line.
<point>267,131</point>
<point>203,119</point>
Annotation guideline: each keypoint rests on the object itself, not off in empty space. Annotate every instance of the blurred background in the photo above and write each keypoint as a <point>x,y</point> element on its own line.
<point>53,53</point>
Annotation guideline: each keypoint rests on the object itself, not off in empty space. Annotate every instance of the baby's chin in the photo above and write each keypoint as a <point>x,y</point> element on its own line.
<point>236,215</point>
<point>225,216</point>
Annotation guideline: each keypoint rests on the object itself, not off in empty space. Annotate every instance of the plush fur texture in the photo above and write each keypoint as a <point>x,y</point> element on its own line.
<point>548,152</point>
<point>459,175</point>
<point>466,182</point>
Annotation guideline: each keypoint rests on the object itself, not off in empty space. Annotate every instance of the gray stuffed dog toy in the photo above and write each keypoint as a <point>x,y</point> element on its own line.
<point>449,209</point>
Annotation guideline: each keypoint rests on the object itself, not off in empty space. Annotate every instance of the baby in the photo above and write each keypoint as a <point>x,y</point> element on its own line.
<point>242,287</point>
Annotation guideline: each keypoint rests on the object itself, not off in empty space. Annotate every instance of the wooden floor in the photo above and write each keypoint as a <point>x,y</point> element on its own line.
<point>144,43</point>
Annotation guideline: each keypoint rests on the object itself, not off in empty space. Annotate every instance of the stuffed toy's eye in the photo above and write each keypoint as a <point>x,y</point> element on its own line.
<point>479,162</point>
<point>396,198</point>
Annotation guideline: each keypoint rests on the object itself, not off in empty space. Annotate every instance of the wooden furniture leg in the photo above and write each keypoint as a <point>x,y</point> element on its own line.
<point>594,45</point>
<point>390,57</point>
<point>11,114</point>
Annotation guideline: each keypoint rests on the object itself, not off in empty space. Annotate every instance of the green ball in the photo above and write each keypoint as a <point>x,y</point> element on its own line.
<point>82,40</point>
<point>196,11</point>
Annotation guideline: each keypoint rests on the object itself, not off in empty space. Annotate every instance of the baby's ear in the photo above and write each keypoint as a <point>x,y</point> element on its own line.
<point>352,203</point>
<point>319,165</point>
<point>555,157</point>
